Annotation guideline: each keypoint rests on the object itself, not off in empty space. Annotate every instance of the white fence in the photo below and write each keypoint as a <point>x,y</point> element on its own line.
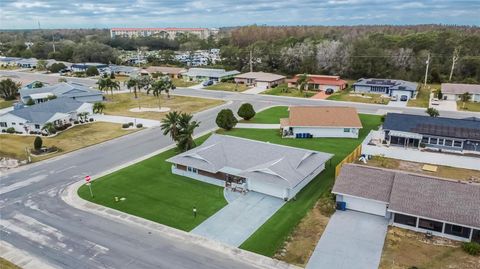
<point>415,155</point>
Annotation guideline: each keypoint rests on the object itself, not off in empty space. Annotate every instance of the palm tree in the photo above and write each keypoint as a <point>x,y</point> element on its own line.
<point>113,85</point>
<point>302,82</point>
<point>170,124</point>
<point>185,136</point>
<point>102,84</point>
<point>465,97</point>
<point>163,84</point>
<point>49,128</point>
<point>133,83</point>
<point>98,107</point>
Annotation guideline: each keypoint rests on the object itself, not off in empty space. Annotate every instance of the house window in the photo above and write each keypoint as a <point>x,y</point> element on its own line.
<point>192,170</point>
<point>430,225</point>
<point>457,144</point>
<point>346,130</point>
<point>3,124</point>
<point>433,141</point>
<point>440,141</point>
<point>13,123</point>
<point>405,220</point>
<point>457,230</point>
<point>448,142</point>
<point>425,140</point>
<point>37,126</point>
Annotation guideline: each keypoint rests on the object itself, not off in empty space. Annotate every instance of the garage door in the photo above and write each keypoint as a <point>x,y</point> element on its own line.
<point>367,206</point>
<point>262,85</point>
<point>261,187</point>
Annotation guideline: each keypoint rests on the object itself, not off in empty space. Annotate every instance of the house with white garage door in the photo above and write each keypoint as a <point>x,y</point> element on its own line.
<point>260,79</point>
<point>422,203</point>
<point>248,165</point>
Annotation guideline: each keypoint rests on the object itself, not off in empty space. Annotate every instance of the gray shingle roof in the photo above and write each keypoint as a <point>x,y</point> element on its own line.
<point>393,84</point>
<point>253,159</point>
<point>42,112</point>
<point>447,127</point>
<point>209,72</point>
<point>62,90</point>
<point>457,88</point>
<point>413,194</point>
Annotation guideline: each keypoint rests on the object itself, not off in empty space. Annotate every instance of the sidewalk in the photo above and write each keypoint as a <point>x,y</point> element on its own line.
<point>255,90</point>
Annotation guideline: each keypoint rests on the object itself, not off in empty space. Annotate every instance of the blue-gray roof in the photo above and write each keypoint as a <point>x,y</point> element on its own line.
<point>210,72</point>
<point>392,84</point>
<point>42,112</point>
<point>438,126</point>
<point>63,89</point>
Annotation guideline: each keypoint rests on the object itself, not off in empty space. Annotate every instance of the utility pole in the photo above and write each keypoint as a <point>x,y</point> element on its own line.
<point>426,70</point>
<point>251,61</point>
<point>455,57</point>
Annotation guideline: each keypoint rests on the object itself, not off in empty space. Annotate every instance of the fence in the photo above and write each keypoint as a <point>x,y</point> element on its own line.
<point>349,159</point>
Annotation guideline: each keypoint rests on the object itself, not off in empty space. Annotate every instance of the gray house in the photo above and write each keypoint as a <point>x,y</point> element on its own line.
<point>75,91</point>
<point>433,133</point>
<point>421,203</point>
<point>249,165</point>
<point>402,89</point>
<point>201,74</point>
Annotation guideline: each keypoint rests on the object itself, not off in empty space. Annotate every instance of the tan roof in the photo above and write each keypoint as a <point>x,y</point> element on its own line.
<point>261,76</point>
<point>325,116</point>
<point>165,69</point>
<point>454,88</point>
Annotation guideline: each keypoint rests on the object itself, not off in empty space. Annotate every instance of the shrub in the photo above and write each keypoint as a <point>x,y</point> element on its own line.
<point>130,124</point>
<point>11,130</point>
<point>56,67</point>
<point>226,120</point>
<point>37,143</point>
<point>246,111</point>
<point>125,125</point>
<point>90,120</point>
<point>139,125</point>
<point>76,122</point>
<point>30,102</point>
<point>3,130</point>
<point>472,248</point>
<point>92,71</point>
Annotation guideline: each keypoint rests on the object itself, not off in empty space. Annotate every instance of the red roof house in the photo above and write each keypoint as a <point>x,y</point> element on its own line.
<point>320,82</point>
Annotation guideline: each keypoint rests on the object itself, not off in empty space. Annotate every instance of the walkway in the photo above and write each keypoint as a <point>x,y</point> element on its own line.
<point>255,90</point>
<point>121,119</point>
<point>234,223</point>
<point>352,240</point>
<point>257,126</point>
<point>321,95</point>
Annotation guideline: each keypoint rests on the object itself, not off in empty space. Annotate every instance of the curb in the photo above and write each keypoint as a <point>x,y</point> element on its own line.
<point>21,258</point>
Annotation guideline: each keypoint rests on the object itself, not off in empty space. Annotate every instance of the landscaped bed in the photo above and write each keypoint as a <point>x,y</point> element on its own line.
<point>152,192</point>
<point>227,86</point>
<point>121,104</point>
<point>284,90</point>
<point>350,96</point>
<point>72,139</point>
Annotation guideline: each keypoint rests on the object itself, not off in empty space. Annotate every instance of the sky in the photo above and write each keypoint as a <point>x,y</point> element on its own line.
<point>27,14</point>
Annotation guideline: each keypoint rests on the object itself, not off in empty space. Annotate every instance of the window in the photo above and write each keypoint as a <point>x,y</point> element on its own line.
<point>448,142</point>
<point>457,144</point>
<point>37,126</point>
<point>430,225</point>
<point>457,230</point>
<point>425,140</point>
<point>405,220</point>
<point>192,169</point>
<point>433,141</point>
<point>3,124</point>
<point>20,123</point>
<point>440,141</point>
<point>346,130</point>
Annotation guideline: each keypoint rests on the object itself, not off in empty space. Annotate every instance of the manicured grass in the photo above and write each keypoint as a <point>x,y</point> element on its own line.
<point>182,83</point>
<point>423,96</point>
<point>4,264</point>
<point>350,96</point>
<point>271,115</point>
<point>227,86</point>
<point>121,78</point>
<point>468,106</point>
<point>77,137</point>
<point>153,192</point>
<point>271,235</point>
<point>120,104</point>
<point>284,90</point>
<point>5,103</point>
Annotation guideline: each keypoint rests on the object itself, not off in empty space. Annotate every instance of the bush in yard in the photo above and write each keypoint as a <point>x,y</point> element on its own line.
<point>92,71</point>
<point>11,130</point>
<point>246,111</point>
<point>472,248</point>
<point>125,125</point>
<point>56,67</point>
<point>37,143</point>
<point>76,122</point>
<point>91,120</point>
<point>30,102</point>
<point>226,120</point>
<point>139,125</point>
<point>130,124</point>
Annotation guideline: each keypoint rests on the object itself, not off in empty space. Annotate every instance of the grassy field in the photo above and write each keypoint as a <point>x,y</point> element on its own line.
<point>369,98</point>
<point>469,106</point>
<point>182,83</point>
<point>270,115</point>
<point>153,192</point>
<point>72,139</point>
<point>407,249</point>
<point>5,104</point>
<point>283,90</point>
<point>226,86</point>
<point>442,171</point>
<point>120,104</point>
<point>272,235</point>
<point>423,96</point>
<point>121,78</point>
<point>4,264</point>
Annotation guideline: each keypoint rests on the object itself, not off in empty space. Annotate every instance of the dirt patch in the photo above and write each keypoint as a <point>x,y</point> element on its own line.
<point>409,249</point>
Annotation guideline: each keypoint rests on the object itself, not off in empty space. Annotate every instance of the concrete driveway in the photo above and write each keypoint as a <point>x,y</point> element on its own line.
<point>397,103</point>
<point>234,223</point>
<point>352,240</point>
<point>255,90</point>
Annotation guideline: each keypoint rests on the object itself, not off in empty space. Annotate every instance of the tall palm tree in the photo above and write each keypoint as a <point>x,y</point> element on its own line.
<point>185,137</point>
<point>170,125</point>
<point>163,84</point>
<point>302,82</point>
<point>133,83</point>
<point>102,84</point>
<point>113,85</point>
<point>98,107</point>
<point>465,97</point>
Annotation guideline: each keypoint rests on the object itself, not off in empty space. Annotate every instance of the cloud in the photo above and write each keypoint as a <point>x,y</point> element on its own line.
<point>216,13</point>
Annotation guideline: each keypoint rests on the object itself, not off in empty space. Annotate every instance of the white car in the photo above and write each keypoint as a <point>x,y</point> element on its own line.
<point>435,102</point>
<point>394,98</point>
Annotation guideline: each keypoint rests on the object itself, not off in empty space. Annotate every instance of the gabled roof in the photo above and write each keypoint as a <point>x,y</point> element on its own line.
<point>42,112</point>
<point>209,72</point>
<point>439,126</point>
<point>322,116</point>
<point>257,160</point>
<point>321,79</point>
<point>165,69</point>
<point>393,84</point>
<point>261,76</point>
<point>62,89</point>
<point>456,88</point>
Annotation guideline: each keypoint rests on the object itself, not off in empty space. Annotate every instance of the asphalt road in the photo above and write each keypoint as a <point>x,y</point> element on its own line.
<point>35,219</point>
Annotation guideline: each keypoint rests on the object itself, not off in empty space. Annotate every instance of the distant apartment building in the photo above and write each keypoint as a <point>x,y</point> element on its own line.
<point>169,33</point>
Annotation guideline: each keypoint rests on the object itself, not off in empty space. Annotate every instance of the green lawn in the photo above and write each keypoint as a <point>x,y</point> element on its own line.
<point>5,104</point>
<point>227,86</point>
<point>284,90</point>
<point>270,115</point>
<point>183,83</point>
<point>468,106</point>
<point>423,96</point>
<point>153,192</point>
<point>271,235</point>
<point>351,96</point>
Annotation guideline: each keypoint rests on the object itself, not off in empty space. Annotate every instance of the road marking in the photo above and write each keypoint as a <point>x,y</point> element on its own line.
<point>22,184</point>
<point>63,170</point>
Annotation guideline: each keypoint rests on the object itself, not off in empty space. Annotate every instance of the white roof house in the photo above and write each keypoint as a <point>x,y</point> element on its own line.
<point>209,73</point>
<point>75,91</point>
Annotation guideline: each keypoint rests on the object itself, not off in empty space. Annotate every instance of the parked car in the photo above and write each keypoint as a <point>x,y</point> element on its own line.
<point>435,102</point>
<point>404,98</point>
<point>394,98</point>
<point>329,91</point>
<point>207,83</point>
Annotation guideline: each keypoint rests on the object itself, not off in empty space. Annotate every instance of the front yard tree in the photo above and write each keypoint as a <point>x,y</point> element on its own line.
<point>246,111</point>
<point>9,89</point>
<point>185,134</point>
<point>432,112</point>
<point>163,84</point>
<point>465,97</point>
<point>302,82</point>
<point>226,120</point>
<point>37,143</point>
<point>133,83</point>
<point>98,107</point>
<point>56,67</point>
<point>92,71</point>
<point>170,125</point>
<point>41,65</point>
<point>49,128</point>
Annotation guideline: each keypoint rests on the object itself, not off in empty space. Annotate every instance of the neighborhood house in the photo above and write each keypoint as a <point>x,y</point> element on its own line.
<point>421,203</point>
<point>75,91</point>
<point>82,67</point>
<point>59,111</point>
<point>321,121</point>
<point>328,84</point>
<point>202,74</point>
<point>453,91</point>
<point>260,79</point>
<point>400,89</point>
<point>248,165</point>
<point>173,72</point>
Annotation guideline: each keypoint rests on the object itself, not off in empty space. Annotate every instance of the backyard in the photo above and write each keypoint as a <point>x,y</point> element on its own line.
<point>408,249</point>
<point>227,86</point>
<point>468,106</point>
<point>152,192</point>
<point>120,104</point>
<point>72,139</point>
<point>350,96</point>
<point>284,90</point>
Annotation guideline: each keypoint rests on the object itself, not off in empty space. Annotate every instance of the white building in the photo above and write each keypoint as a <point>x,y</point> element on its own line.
<point>454,91</point>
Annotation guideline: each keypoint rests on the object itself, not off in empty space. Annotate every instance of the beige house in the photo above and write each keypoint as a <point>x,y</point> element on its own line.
<point>173,72</point>
<point>454,91</point>
<point>260,79</point>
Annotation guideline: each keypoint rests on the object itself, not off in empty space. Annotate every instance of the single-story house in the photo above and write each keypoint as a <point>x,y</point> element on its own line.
<point>121,69</point>
<point>72,90</point>
<point>320,82</point>
<point>202,74</point>
<point>433,133</point>
<point>82,67</point>
<point>250,165</point>
<point>417,202</point>
<point>321,121</point>
<point>173,72</point>
<point>27,63</point>
<point>58,111</point>
<point>259,79</point>
<point>402,89</point>
<point>454,91</point>
<point>9,61</point>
